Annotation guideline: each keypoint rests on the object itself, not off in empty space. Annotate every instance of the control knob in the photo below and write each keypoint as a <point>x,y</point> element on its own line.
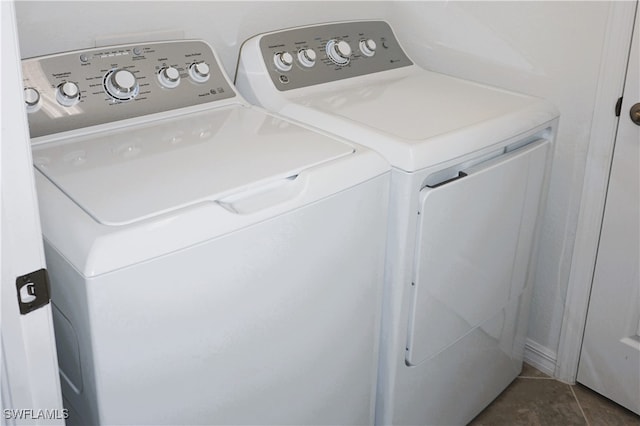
<point>121,84</point>
<point>338,51</point>
<point>368,47</point>
<point>31,99</point>
<point>199,72</point>
<point>283,61</point>
<point>307,57</point>
<point>169,77</point>
<point>68,94</point>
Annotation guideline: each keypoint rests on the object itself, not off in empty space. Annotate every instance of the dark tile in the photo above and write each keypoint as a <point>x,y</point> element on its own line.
<point>601,411</point>
<point>529,371</point>
<point>533,402</point>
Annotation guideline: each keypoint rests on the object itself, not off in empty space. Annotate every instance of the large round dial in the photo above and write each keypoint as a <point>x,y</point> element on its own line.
<point>68,94</point>
<point>169,77</point>
<point>339,51</point>
<point>199,72</point>
<point>121,84</point>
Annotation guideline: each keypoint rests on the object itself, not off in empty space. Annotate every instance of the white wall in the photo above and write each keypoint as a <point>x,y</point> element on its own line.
<point>51,26</point>
<point>548,49</point>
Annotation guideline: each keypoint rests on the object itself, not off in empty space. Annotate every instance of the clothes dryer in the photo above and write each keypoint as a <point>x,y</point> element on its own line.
<point>210,263</point>
<point>468,183</point>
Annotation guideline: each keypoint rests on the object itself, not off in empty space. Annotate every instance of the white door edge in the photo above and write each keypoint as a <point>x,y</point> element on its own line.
<point>30,385</point>
<point>601,142</point>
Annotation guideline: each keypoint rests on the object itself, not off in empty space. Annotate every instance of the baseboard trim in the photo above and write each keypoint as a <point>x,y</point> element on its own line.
<point>540,357</point>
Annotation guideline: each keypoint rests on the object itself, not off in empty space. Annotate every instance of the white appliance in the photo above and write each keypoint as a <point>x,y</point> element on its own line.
<point>210,263</point>
<point>469,169</point>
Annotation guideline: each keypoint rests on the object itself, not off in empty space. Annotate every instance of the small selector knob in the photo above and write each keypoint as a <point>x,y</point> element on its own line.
<point>121,84</point>
<point>68,94</point>
<point>368,47</point>
<point>169,77</point>
<point>199,72</point>
<point>339,51</point>
<point>31,98</point>
<point>307,57</point>
<point>283,61</point>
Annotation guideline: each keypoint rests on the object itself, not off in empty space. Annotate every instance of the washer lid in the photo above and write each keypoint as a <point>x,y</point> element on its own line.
<point>122,176</point>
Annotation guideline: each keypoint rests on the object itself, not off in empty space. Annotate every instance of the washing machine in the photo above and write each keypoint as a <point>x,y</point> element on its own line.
<point>210,263</point>
<point>470,164</point>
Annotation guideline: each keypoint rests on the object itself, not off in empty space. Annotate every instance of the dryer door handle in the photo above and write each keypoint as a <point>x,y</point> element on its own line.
<point>444,182</point>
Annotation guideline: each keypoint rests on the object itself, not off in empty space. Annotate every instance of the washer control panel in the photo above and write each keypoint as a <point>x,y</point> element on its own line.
<point>84,88</point>
<point>306,56</point>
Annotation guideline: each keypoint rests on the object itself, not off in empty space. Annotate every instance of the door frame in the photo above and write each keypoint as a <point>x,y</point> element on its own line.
<point>29,380</point>
<point>596,179</point>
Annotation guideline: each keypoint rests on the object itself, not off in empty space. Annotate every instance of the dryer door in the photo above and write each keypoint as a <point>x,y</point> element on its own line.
<point>473,248</point>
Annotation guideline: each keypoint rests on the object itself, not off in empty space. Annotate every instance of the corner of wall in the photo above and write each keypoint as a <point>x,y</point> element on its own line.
<point>540,357</point>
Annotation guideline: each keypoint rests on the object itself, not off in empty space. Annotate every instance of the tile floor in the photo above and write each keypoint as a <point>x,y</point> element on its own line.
<point>535,399</point>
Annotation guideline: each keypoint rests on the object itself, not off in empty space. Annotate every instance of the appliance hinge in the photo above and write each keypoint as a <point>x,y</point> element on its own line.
<point>33,291</point>
<point>618,106</point>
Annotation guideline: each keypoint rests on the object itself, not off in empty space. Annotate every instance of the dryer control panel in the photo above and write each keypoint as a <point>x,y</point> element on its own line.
<point>73,90</point>
<point>307,56</point>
